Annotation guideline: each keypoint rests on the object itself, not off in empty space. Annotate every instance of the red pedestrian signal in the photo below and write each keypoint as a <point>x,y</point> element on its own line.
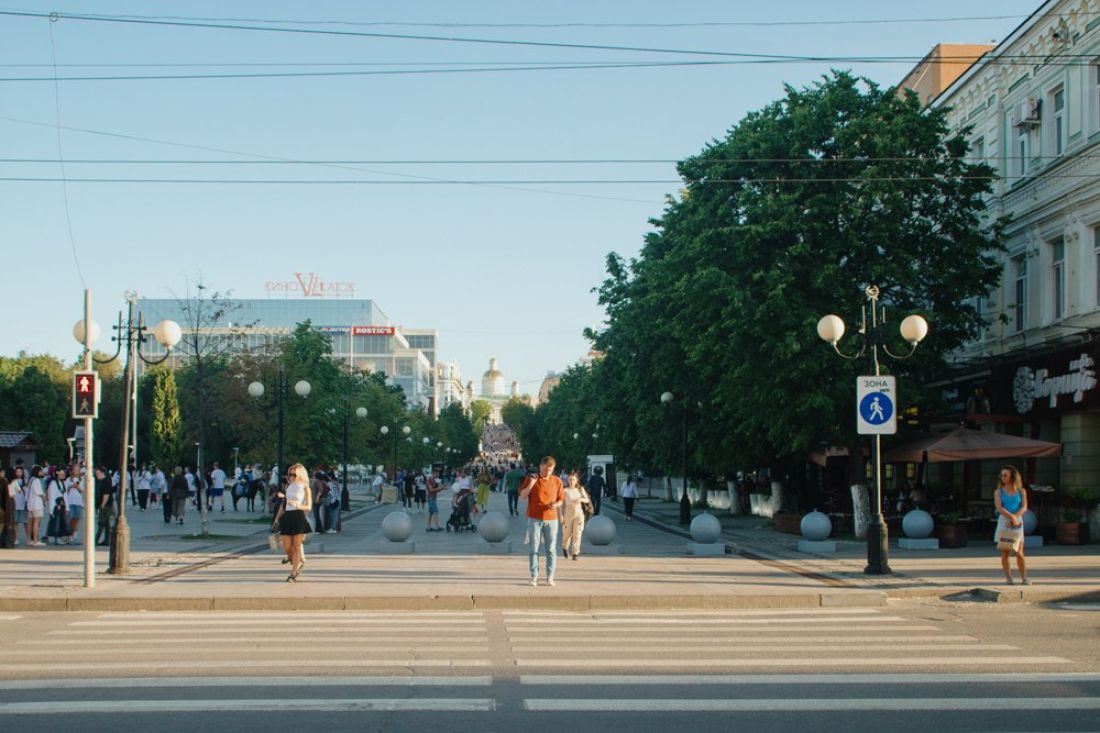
<point>85,395</point>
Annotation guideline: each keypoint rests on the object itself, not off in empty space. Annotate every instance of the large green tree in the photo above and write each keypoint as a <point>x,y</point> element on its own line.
<point>803,204</point>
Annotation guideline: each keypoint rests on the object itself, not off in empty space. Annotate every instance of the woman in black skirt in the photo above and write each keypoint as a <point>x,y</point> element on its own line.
<point>291,518</point>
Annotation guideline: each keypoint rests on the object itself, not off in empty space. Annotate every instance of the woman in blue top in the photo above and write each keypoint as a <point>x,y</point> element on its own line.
<point>1011,503</point>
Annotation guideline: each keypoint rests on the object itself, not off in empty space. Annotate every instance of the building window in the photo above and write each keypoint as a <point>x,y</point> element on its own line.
<point>1021,150</point>
<point>979,308</point>
<point>1058,278</point>
<point>1020,308</point>
<point>979,150</point>
<point>1058,104</point>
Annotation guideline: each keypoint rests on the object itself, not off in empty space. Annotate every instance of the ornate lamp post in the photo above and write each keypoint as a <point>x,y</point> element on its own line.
<point>667,398</point>
<point>130,336</point>
<point>385,430</point>
<point>913,329</point>
<point>302,388</point>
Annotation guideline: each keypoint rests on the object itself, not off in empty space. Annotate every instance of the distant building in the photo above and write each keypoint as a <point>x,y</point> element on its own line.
<point>362,336</point>
<point>553,379</point>
<point>941,67</point>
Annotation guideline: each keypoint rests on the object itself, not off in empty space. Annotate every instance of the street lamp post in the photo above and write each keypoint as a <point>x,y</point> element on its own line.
<point>302,388</point>
<point>361,413</point>
<point>668,398</point>
<point>131,336</point>
<point>913,329</point>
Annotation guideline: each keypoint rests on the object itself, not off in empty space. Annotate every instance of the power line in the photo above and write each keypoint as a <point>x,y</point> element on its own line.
<point>260,156</point>
<point>522,181</point>
<point>61,163</point>
<point>686,24</point>
<point>518,161</point>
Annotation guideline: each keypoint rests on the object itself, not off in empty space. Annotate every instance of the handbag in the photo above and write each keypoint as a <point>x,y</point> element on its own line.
<point>586,507</point>
<point>1010,539</point>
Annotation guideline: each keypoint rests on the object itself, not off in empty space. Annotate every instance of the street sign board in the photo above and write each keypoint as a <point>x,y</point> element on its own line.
<point>876,405</point>
<point>85,394</point>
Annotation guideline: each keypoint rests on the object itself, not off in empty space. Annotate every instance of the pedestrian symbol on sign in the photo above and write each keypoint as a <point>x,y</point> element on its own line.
<point>876,408</point>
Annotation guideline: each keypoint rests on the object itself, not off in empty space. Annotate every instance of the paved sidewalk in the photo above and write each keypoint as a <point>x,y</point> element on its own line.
<point>351,570</point>
<point>1057,571</point>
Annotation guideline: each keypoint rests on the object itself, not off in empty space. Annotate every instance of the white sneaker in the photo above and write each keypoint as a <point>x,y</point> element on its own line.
<point>534,582</point>
<point>549,581</point>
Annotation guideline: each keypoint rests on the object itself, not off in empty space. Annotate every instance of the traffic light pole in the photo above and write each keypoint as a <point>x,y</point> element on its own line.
<point>89,453</point>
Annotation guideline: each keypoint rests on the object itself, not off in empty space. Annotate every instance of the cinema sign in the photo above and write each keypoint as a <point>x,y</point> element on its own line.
<point>310,285</point>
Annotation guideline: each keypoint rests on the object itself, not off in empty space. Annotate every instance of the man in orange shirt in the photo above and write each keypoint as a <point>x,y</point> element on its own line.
<point>544,495</point>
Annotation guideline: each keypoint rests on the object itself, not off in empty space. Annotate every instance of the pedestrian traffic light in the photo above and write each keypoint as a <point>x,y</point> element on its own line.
<point>85,395</point>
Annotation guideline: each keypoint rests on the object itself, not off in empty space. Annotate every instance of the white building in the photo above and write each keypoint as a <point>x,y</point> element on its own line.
<point>1033,102</point>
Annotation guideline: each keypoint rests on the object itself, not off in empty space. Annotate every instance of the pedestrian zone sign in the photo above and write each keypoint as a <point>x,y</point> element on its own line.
<point>876,405</point>
<point>85,395</point>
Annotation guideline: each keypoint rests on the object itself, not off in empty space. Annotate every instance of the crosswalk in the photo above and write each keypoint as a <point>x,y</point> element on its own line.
<point>517,662</point>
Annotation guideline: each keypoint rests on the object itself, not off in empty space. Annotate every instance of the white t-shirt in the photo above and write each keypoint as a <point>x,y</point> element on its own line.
<point>145,481</point>
<point>573,501</point>
<point>74,496</point>
<point>629,490</point>
<point>295,496</point>
<point>460,484</point>
<point>190,482</point>
<point>217,479</point>
<point>159,484</point>
<point>54,490</point>
<point>36,498</point>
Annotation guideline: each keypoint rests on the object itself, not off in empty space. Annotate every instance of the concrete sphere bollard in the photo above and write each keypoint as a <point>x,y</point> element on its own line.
<point>493,527</point>
<point>816,526</point>
<point>397,526</point>
<point>917,524</point>
<point>705,529</point>
<point>1030,522</point>
<point>599,530</point>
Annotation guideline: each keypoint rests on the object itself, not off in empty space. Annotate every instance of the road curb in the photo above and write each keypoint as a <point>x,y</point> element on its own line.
<point>537,601</point>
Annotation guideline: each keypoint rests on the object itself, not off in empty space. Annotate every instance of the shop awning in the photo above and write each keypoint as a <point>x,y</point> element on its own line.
<point>963,444</point>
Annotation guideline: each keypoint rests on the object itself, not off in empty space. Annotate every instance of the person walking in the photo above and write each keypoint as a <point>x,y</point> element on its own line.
<point>1010,501</point>
<point>544,494</point>
<point>512,479</point>
<point>57,528</point>
<point>434,487</point>
<point>177,496</point>
<point>291,517</point>
<point>159,490</point>
<point>145,479</point>
<point>629,493</point>
<point>320,489</point>
<point>74,502</point>
<point>572,516</point>
<point>483,482</point>
<point>596,485</point>
<point>105,506</point>
<point>408,486</point>
<point>36,508</point>
<point>18,490</point>
<point>332,505</point>
<point>217,488</point>
<point>421,491</point>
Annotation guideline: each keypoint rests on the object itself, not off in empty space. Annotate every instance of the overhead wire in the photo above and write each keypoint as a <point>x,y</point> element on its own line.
<point>61,163</point>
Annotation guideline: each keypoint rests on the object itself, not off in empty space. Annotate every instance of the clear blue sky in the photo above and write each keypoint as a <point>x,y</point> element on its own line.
<point>498,269</point>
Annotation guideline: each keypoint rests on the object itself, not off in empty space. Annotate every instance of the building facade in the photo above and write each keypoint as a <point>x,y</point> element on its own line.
<point>362,337</point>
<point>1032,106</point>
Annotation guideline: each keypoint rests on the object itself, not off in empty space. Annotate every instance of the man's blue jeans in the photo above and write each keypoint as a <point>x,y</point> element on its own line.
<point>543,532</point>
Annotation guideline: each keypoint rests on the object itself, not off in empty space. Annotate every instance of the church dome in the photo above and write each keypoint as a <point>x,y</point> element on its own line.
<point>492,382</point>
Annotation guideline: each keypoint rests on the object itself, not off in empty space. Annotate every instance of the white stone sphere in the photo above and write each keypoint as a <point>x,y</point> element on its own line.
<point>493,527</point>
<point>917,524</point>
<point>1030,522</point>
<point>816,526</point>
<point>397,526</point>
<point>705,529</point>
<point>600,530</point>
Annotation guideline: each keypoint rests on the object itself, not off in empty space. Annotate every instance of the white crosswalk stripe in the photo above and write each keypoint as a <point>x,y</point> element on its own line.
<point>809,639</point>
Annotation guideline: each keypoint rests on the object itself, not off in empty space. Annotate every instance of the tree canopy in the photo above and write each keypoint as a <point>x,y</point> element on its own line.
<point>802,205</point>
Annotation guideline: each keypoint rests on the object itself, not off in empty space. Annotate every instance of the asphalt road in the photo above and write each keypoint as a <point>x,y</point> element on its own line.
<point>911,666</point>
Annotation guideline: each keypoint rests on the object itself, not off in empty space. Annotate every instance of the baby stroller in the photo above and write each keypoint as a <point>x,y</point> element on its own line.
<point>460,515</point>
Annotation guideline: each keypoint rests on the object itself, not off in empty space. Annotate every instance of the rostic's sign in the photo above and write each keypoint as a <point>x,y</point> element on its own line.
<point>1030,386</point>
<point>372,330</point>
<point>309,285</point>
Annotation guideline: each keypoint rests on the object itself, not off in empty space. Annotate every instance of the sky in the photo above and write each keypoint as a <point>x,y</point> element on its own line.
<point>389,144</point>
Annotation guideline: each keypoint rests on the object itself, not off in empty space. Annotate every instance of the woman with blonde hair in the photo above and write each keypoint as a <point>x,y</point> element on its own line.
<point>1010,500</point>
<point>291,518</point>
<point>572,516</point>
